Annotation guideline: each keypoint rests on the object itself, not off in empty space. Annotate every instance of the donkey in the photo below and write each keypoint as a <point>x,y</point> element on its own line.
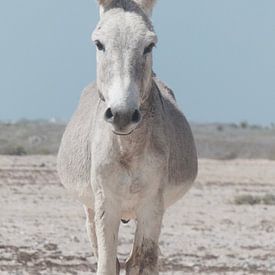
<point>128,152</point>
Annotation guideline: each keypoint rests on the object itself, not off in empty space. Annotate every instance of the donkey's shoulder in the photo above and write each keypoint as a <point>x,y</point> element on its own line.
<point>74,157</point>
<point>182,150</point>
<point>89,94</point>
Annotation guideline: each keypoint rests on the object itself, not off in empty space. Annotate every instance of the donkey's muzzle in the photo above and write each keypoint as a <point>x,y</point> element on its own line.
<point>124,120</point>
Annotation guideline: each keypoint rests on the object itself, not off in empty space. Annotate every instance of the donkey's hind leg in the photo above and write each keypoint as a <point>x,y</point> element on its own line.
<point>90,225</point>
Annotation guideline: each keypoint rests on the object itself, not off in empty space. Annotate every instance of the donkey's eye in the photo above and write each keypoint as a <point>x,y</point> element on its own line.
<point>149,48</point>
<point>99,45</point>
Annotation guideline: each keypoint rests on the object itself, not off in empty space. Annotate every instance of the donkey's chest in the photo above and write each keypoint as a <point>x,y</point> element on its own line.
<point>132,177</point>
<point>134,182</point>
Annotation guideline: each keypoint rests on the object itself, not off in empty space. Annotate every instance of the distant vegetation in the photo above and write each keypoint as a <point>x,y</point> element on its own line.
<point>28,137</point>
<point>231,141</point>
<point>267,199</point>
<point>215,141</point>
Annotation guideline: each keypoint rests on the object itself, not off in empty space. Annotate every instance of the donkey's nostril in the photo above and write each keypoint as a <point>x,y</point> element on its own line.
<point>136,116</point>
<point>108,114</point>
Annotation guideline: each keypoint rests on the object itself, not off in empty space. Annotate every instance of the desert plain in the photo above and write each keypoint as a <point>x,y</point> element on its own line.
<point>224,225</point>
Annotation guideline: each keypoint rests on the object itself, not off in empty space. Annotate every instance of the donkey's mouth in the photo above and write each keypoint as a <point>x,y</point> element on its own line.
<point>123,134</point>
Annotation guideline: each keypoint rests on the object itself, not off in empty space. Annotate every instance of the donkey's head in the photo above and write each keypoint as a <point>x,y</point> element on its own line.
<point>124,38</point>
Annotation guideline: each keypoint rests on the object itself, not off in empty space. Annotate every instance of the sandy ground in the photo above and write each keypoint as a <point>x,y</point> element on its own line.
<point>42,229</point>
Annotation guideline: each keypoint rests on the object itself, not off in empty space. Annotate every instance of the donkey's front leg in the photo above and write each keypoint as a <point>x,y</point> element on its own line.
<point>107,220</point>
<point>144,255</point>
<point>90,225</point>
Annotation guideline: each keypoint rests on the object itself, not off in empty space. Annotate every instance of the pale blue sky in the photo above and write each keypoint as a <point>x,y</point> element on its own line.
<point>217,55</point>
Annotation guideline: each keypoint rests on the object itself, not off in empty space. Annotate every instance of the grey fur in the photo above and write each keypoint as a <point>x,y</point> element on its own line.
<point>127,177</point>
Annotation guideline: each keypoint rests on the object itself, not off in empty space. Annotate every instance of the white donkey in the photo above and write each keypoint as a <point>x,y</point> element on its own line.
<point>128,152</point>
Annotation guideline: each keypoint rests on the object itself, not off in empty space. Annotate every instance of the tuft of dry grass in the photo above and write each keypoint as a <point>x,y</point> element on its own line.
<point>269,199</point>
<point>247,199</point>
<point>14,150</point>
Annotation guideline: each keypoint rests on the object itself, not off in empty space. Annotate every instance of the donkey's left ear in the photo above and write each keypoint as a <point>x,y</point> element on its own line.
<point>147,5</point>
<point>104,3</point>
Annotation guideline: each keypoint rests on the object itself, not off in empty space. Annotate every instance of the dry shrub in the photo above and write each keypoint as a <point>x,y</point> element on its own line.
<point>17,150</point>
<point>247,199</point>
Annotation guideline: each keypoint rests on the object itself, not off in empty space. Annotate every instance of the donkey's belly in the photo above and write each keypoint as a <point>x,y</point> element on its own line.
<point>173,193</point>
<point>140,192</point>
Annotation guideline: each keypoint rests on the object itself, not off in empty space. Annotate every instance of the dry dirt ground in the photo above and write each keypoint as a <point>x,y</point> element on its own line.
<point>42,229</point>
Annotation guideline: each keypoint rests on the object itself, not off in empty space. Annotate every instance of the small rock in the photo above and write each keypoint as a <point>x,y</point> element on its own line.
<point>50,246</point>
<point>75,239</point>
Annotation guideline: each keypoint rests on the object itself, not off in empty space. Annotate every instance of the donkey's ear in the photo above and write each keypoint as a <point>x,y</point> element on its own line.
<point>103,4</point>
<point>147,5</point>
